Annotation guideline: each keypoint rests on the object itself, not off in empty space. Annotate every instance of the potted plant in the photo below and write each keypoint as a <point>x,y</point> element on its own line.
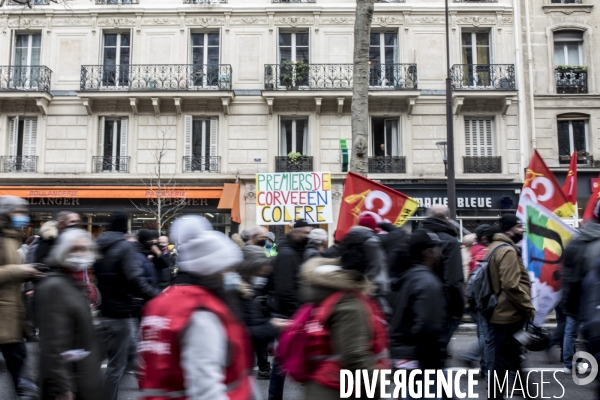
<point>292,74</point>
<point>293,157</point>
<point>583,155</point>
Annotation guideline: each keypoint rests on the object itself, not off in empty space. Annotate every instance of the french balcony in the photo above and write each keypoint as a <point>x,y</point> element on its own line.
<point>483,77</point>
<point>297,164</point>
<point>338,77</point>
<point>147,78</point>
<point>24,2</point>
<point>475,1</point>
<point>18,163</point>
<point>116,2</point>
<point>293,1</point>
<point>27,78</point>
<point>202,164</point>
<point>582,160</point>
<point>572,80</point>
<point>110,164</point>
<point>204,1</point>
<point>387,165</point>
<point>482,165</point>
<point>566,2</point>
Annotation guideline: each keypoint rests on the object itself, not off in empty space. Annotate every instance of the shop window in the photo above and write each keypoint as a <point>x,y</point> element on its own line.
<point>573,137</point>
<point>294,136</point>
<point>201,144</point>
<point>386,137</point>
<point>112,145</point>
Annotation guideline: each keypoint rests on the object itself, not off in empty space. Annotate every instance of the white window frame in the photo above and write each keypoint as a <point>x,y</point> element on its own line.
<point>565,54</point>
<point>205,57</point>
<point>479,149</point>
<point>29,145</point>
<point>120,148</point>
<point>474,81</point>
<point>383,81</point>
<point>118,54</point>
<point>212,140</point>
<point>586,133</point>
<point>293,51</point>
<point>306,140</point>
<point>27,81</point>
<point>373,148</point>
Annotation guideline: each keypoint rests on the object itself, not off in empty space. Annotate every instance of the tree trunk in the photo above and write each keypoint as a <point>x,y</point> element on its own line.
<point>360,93</point>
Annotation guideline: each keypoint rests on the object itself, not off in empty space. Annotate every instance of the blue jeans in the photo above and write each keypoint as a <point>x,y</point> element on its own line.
<point>277,382</point>
<point>483,350</point>
<point>569,348</point>
<point>116,334</point>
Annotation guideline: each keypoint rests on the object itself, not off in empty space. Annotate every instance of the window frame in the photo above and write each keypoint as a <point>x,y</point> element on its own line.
<point>571,136</point>
<point>305,118</point>
<point>565,43</point>
<point>473,46</point>
<point>372,147</point>
<point>468,149</point>
<point>293,45</point>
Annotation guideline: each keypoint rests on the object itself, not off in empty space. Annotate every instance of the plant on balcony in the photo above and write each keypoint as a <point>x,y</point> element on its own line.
<point>293,156</point>
<point>575,68</point>
<point>292,73</point>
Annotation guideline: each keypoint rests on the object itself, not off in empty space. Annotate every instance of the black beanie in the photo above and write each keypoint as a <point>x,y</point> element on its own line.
<point>145,235</point>
<point>508,221</point>
<point>301,223</point>
<point>118,222</point>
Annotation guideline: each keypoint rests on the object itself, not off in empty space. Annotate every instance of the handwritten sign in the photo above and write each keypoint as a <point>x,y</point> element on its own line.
<point>282,198</point>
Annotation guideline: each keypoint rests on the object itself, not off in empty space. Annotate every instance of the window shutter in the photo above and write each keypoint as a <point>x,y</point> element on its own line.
<point>123,145</point>
<point>13,136</point>
<point>29,137</point>
<point>468,138</point>
<point>489,150</point>
<point>214,134</point>
<point>101,136</point>
<point>187,136</point>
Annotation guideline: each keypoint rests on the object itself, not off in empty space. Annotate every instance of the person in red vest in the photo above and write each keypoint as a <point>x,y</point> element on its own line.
<point>193,345</point>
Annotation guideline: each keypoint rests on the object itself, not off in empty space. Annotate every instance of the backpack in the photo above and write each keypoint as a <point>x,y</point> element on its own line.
<point>590,311</point>
<point>480,292</point>
<point>305,344</point>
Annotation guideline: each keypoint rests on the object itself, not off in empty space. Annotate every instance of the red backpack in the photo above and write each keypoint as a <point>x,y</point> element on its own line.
<point>304,348</point>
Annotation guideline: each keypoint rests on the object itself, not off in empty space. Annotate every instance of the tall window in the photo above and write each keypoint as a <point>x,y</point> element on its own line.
<point>205,58</point>
<point>200,147</point>
<point>386,137</point>
<point>294,136</point>
<point>568,48</point>
<point>383,54</point>
<point>293,47</point>
<point>22,137</point>
<point>572,136</point>
<point>476,55</point>
<point>478,137</point>
<point>116,57</point>
<point>27,54</point>
<point>112,143</point>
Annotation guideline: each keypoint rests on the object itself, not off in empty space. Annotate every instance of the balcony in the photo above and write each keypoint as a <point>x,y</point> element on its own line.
<point>156,77</point>
<point>201,164</point>
<point>389,1</point>
<point>387,165</point>
<point>475,1</point>
<point>24,3</point>
<point>287,164</point>
<point>293,1</point>
<point>482,165</point>
<point>582,160</point>
<point>18,163</point>
<point>571,80</point>
<point>29,78</point>
<point>204,1</point>
<point>117,2</point>
<point>566,2</point>
<point>483,77</point>
<point>338,77</point>
<point>110,164</point>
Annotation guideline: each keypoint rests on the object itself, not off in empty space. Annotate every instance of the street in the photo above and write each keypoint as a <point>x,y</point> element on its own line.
<point>460,343</point>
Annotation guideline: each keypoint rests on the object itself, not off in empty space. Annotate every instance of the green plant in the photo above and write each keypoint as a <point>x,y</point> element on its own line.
<point>582,153</point>
<point>291,74</point>
<point>565,67</point>
<point>293,156</point>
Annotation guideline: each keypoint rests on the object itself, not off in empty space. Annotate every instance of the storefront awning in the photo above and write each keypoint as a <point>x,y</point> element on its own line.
<point>230,199</point>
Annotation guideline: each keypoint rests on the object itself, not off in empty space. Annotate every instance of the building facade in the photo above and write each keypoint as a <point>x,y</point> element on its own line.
<point>95,96</point>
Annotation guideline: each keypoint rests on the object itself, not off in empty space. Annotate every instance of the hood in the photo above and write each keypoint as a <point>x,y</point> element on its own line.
<point>501,237</point>
<point>590,232</point>
<point>438,226</point>
<point>49,231</point>
<point>327,273</point>
<point>109,238</point>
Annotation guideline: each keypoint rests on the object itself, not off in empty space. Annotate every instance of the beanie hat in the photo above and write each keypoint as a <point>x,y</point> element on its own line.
<point>254,258</point>
<point>271,236</point>
<point>187,227</point>
<point>354,256</point>
<point>483,230</point>
<point>368,221</point>
<point>301,223</point>
<point>508,221</point>
<point>118,222</point>
<point>145,235</point>
<point>10,203</point>
<point>422,239</point>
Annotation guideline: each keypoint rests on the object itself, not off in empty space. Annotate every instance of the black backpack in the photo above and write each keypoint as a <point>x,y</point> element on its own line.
<point>480,292</point>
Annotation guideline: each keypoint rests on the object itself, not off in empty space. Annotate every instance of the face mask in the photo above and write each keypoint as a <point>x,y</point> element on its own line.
<point>268,246</point>
<point>231,280</point>
<point>19,221</point>
<point>261,243</point>
<point>517,237</point>
<point>259,282</point>
<point>79,262</point>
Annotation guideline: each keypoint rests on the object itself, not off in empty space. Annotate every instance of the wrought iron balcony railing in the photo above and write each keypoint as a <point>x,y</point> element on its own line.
<point>204,1</point>
<point>24,2</point>
<point>156,77</point>
<point>389,1</point>
<point>483,77</point>
<point>475,1</point>
<point>117,2</point>
<point>201,164</point>
<point>581,160</point>
<point>27,78</point>
<point>18,163</point>
<point>300,164</point>
<point>567,2</point>
<point>387,165</point>
<point>571,80</point>
<point>293,1</point>
<point>111,164</point>
<point>482,165</point>
<point>339,77</point>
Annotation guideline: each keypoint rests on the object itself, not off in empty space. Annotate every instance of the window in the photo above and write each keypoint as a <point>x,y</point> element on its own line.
<point>567,2</point>
<point>568,48</point>
<point>22,137</point>
<point>293,47</point>
<point>116,54</point>
<point>112,144</point>
<point>294,136</point>
<point>386,137</point>
<point>201,144</point>
<point>476,57</point>
<point>205,58</point>
<point>572,136</point>
<point>26,73</point>
<point>478,137</point>
<point>382,55</point>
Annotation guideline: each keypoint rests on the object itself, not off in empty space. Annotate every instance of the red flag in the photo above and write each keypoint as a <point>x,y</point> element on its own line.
<point>364,196</point>
<point>542,188</point>
<point>589,210</point>
<point>570,186</point>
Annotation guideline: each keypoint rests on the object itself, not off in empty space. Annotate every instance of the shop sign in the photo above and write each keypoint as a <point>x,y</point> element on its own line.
<point>284,197</point>
<point>59,201</point>
<point>461,202</point>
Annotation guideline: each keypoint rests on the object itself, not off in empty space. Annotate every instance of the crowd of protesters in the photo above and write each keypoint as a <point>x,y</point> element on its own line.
<point>194,313</point>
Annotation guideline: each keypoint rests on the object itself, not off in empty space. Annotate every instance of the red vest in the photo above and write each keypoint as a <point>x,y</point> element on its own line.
<point>163,323</point>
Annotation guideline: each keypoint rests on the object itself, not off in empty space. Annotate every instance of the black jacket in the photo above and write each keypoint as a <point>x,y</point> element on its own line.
<point>285,276</point>
<point>156,268</point>
<point>121,278</point>
<point>418,322</point>
<point>311,252</point>
<point>332,252</point>
<point>450,268</point>
<point>255,316</point>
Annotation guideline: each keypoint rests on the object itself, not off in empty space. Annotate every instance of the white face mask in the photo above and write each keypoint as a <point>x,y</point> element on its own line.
<point>79,262</point>
<point>259,282</point>
<point>231,280</point>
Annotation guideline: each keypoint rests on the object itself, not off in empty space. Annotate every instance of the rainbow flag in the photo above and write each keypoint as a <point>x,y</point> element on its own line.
<point>545,240</point>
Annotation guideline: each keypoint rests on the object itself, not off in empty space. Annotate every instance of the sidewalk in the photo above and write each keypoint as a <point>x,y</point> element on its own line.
<point>469,327</point>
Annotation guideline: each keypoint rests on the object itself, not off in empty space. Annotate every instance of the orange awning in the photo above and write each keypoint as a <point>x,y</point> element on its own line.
<point>230,199</point>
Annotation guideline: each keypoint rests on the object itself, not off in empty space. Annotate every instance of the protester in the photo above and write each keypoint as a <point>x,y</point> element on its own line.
<point>257,236</point>
<point>483,235</point>
<point>271,246</point>
<point>465,252</point>
<point>64,220</point>
<point>13,217</point>
<point>590,315</point>
<point>510,279</point>
<point>24,249</point>
<point>317,244</point>
<point>124,287</point>
<point>449,269</point>
<point>192,343</point>
<point>154,262</point>
<point>333,251</point>
<point>395,245</point>
<point>70,356</point>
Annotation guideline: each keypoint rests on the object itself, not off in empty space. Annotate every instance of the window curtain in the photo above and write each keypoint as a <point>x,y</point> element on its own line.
<point>283,140</point>
<point>304,151</point>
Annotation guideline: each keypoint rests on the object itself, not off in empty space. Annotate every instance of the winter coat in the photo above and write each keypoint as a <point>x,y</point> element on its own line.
<point>450,268</point>
<point>12,312</point>
<point>395,245</point>
<point>255,319</point>
<point>348,323</point>
<point>65,323</point>
<point>332,252</point>
<point>311,252</point>
<point>285,276</point>
<point>121,278</point>
<point>508,274</point>
<point>580,257</point>
<point>418,323</point>
<point>48,234</point>
<point>478,253</point>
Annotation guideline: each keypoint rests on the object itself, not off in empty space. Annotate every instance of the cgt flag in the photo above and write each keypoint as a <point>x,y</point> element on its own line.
<point>541,187</point>
<point>364,196</point>
<point>544,243</point>
<point>594,198</point>
<point>570,186</point>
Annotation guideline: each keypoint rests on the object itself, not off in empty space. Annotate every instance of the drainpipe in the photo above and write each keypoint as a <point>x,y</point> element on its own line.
<point>530,70</point>
<point>520,90</point>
